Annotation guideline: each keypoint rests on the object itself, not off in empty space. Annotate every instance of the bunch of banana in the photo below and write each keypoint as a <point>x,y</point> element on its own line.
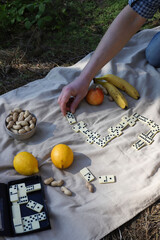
<point>113,82</point>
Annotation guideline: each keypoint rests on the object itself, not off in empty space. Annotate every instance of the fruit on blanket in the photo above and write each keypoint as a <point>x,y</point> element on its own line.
<point>95,96</point>
<point>62,156</point>
<point>117,96</point>
<point>25,163</point>
<point>120,83</point>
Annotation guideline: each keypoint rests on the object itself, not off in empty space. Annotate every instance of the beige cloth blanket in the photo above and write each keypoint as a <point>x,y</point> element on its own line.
<point>85,215</point>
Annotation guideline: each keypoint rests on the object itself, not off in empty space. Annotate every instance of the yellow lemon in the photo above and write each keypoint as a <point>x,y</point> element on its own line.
<point>62,156</point>
<point>25,163</point>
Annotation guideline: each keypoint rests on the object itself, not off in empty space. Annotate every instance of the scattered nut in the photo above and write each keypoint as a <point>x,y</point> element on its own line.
<point>66,191</point>
<point>48,180</point>
<point>57,183</point>
<point>90,187</point>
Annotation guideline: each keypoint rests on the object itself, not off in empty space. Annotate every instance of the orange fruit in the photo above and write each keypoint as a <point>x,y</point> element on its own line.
<point>62,156</point>
<point>25,163</point>
<point>95,96</point>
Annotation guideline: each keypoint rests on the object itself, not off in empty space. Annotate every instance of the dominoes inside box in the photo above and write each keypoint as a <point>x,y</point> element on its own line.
<point>23,207</point>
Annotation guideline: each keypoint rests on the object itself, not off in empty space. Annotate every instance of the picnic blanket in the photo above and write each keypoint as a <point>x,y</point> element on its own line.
<point>86,215</point>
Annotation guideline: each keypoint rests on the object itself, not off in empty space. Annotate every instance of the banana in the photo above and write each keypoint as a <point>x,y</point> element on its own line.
<point>115,94</point>
<point>121,84</point>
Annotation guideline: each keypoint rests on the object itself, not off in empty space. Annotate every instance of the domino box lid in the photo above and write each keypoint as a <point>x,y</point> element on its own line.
<point>23,208</point>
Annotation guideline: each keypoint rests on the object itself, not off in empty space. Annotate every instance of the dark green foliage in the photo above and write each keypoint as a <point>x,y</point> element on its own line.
<point>25,13</point>
<point>69,28</point>
<point>59,14</point>
<point>40,13</point>
<point>54,13</point>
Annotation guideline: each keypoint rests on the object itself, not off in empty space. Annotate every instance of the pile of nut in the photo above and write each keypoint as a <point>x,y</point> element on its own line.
<point>20,121</point>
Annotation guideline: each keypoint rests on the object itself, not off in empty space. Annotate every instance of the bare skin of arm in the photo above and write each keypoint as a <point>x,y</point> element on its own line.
<point>125,25</point>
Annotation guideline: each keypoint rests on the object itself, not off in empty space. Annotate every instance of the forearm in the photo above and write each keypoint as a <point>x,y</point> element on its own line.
<point>121,30</point>
<point>127,23</point>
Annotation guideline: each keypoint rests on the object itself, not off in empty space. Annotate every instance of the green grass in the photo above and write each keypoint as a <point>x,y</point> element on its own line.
<point>74,32</point>
<point>85,29</point>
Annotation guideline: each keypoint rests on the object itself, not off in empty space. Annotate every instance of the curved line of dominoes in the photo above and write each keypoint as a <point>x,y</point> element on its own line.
<point>93,137</point>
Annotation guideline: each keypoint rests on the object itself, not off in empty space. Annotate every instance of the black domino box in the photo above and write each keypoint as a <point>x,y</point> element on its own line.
<point>23,208</point>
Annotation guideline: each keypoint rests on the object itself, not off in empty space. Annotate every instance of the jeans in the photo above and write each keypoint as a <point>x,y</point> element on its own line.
<point>153,51</point>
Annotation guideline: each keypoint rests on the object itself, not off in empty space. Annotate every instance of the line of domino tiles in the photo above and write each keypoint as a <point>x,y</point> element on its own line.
<point>18,195</point>
<point>89,177</point>
<point>93,137</point>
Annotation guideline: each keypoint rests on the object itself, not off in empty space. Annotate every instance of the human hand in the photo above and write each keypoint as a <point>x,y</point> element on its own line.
<point>71,95</point>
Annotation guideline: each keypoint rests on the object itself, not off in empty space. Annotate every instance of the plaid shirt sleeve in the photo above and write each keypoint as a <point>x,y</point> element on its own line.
<point>145,8</point>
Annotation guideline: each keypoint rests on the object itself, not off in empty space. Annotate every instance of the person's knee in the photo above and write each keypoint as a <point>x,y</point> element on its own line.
<point>153,51</point>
